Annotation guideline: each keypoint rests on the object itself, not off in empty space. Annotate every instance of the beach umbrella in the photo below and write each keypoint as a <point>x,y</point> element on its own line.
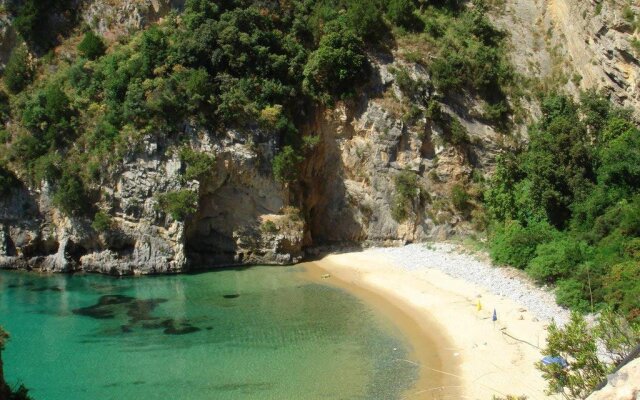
<point>495,316</point>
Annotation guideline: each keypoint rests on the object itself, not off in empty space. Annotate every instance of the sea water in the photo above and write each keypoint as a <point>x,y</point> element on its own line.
<point>253,333</point>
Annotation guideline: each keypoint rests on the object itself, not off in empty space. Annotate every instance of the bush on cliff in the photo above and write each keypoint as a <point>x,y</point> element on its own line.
<point>91,46</point>
<point>18,72</point>
<point>180,204</point>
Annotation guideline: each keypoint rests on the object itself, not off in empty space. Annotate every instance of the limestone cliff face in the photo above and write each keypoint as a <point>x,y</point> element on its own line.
<point>622,385</point>
<point>349,182</point>
<point>235,200</point>
<point>115,18</point>
<point>577,44</point>
<point>244,216</point>
<point>347,191</point>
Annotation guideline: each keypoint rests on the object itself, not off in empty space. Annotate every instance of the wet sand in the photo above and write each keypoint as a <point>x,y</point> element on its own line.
<point>462,353</point>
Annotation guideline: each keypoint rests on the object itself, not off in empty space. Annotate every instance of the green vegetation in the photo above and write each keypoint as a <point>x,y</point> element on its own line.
<point>219,66</point>
<point>577,343</point>
<point>337,64</point>
<point>36,20</point>
<point>470,54</point>
<point>407,192</point>
<point>179,204</point>
<point>286,165</point>
<point>460,198</point>
<point>18,72</point>
<point>21,393</point>
<point>567,208</point>
<point>269,227</point>
<point>102,222</point>
<point>198,165</point>
<point>7,181</point>
<point>69,195</point>
<point>91,46</point>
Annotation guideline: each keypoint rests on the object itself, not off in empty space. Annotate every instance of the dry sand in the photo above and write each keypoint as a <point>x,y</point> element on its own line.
<point>462,353</point>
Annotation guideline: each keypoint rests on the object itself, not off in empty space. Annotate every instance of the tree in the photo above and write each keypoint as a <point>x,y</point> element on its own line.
<point>365,17</point>
<point>179,204</point>
<point>337,66</point>
<point>576,344</point>
<point>70,195</point>
<point>91,46</point>
<point>18,73</point>
<point>400,12</point>
<point>286,165</point>
<point>7,181</point>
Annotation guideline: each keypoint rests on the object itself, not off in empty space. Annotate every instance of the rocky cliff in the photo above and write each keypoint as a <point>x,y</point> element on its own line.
<point>622,385</point>
<point>243,215</point>
<point>350,187</point>
<point>577,45</point>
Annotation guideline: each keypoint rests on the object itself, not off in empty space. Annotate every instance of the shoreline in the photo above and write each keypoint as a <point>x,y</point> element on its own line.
<point>414,331</point>
<point>475,358</point>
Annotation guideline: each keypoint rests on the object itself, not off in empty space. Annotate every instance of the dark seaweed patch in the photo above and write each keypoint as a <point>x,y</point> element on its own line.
<point>96,312</point>
<point>157,324</point>
<point>112,299</point>
<point>140,310</point>
<point>46,288</point>
<point>231,296</point>
<point>183,329</point>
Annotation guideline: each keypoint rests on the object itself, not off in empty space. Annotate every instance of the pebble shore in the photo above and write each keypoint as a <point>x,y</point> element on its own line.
<point>502,281</point>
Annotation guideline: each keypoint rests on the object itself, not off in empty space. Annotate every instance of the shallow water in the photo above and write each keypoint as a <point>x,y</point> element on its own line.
<point>257,333</point>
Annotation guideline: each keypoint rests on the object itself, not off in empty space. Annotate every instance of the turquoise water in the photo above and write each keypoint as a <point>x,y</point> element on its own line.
<point>257,333</point>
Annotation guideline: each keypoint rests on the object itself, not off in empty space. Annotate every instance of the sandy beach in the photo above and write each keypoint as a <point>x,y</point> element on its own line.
<point>462,353</point>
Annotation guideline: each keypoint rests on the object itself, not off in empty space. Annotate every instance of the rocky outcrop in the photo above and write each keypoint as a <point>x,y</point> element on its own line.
<point>8,40</point>
<point>116,18</point>
<point>350,180</point>
<point>241,217</point>
<point>622,385</point>
<point>576,45</point>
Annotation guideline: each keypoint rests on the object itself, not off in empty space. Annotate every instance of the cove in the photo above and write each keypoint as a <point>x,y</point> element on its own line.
<point>251,333</point>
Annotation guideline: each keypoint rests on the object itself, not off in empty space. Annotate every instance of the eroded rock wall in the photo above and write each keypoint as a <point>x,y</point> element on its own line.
<point>576,45</point>
<point>236,199</point>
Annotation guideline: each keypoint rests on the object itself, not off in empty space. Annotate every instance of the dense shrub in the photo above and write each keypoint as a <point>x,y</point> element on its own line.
<point>557,259</point>
<point>8,181</point>
<point>579,173</point>
<point>102,222</point>
<point>401,13</point>
<point>515,244</point>
<point>39,21</point>
<point>18,72</point>
<point>337,64</point>
<point>91,46</point>
<point>407,191</point>
<point>623,287</point>
<point>198,164</point>
<point>460,198</point>
<point>69,195</point>
<point>5,107</point>
<point>179,204</point>
<point>286,165</point>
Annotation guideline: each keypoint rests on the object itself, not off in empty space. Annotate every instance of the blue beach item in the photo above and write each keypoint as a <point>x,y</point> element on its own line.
<point>548,360</point>
<point>495,316</point>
